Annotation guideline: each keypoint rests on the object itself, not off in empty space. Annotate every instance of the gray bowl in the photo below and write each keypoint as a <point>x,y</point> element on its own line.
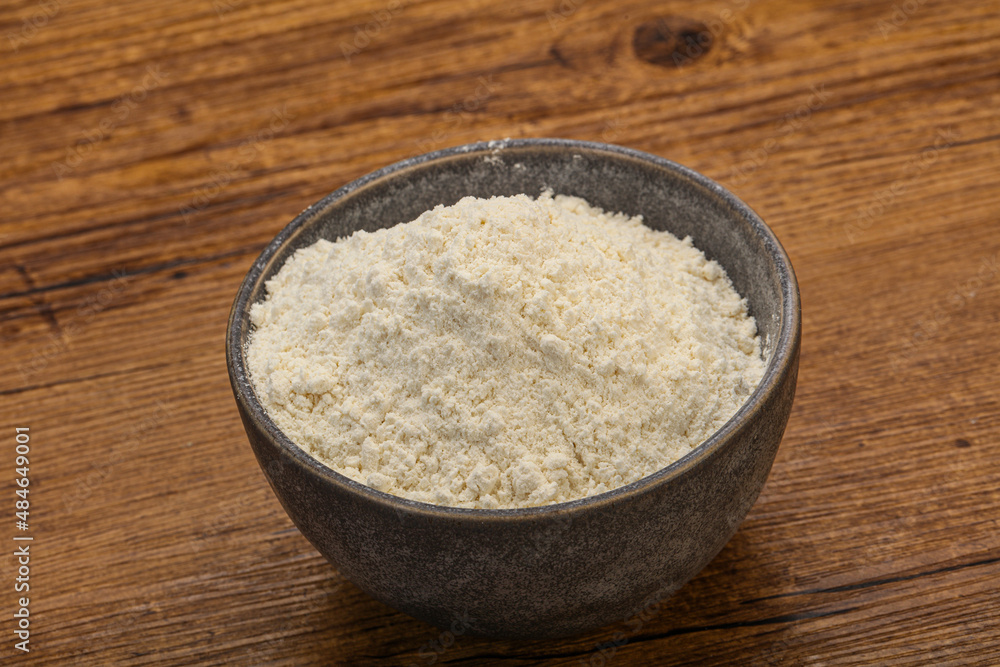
<point>570,567</point>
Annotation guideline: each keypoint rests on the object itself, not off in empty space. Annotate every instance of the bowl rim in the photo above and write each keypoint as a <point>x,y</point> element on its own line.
<point>778,365</point>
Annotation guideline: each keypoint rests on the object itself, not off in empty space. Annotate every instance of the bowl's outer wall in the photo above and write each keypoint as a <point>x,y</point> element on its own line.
<point>579,566</point>
<point>539,576</point>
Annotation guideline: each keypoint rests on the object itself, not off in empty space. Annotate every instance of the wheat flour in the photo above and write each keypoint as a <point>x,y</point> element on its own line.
<point>503,352</point>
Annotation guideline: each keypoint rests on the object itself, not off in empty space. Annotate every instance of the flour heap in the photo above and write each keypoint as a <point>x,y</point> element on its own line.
<point>503,352</point>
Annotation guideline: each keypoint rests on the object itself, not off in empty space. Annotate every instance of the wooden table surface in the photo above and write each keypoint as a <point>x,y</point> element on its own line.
<point>151,150</point>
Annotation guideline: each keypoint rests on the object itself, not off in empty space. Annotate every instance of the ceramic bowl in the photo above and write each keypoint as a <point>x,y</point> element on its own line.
<point>566,568</point>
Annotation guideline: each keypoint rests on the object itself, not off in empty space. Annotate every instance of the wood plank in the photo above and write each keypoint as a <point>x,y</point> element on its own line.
<point>865,133</point>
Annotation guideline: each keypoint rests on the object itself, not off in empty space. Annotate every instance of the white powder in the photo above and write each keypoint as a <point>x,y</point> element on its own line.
<point>508,352</point>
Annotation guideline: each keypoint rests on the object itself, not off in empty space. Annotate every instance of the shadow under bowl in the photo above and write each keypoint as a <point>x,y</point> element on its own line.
<point>571,567</point>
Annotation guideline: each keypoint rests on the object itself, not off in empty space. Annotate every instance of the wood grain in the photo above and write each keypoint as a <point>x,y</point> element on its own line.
<point>150,150</point>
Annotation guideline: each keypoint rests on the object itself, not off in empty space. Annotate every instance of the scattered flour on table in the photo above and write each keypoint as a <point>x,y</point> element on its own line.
<point>503,352</point>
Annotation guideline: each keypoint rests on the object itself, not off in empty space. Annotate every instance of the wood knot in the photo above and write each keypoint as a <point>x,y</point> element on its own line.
<point>671,41</point>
